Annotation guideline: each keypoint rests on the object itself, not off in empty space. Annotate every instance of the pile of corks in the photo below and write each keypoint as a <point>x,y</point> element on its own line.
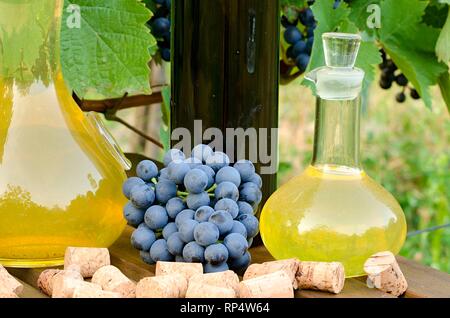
<point>88,273</point>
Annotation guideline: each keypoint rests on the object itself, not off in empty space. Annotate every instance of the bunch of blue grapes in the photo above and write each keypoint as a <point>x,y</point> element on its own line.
<point>160,27</point>
<point>195,209</point>
<point>299,34</point>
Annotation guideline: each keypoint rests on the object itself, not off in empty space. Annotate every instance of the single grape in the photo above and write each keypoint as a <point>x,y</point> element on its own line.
<point>159,251</point>
<point>290,52</point>
<point>384,84</point>
<point>133,215</point>
<point>217,160</point>
<point>175,206</point>
<point>201,152</point>
<point>310,31</point>
<point>210,268</point>
<point>169,229</point>
<point>239,228</point>
<point>193,253</point>
<point>228,174</point>
<point>226,190</point>
<point>160,26</point>
<point>228,205</point>
<point>299,48</point>
<point>195,181</point>
<point>292,35</point>
<point>146,170</point>
<point>307,17</point>
<point>223,221</point>
<point>391,65</point>
<point>236,244</point>
<point>241,263</point>
<point>216,254</point>
<point>145,256</point>
<point>246,169</point>
<point>400,97</point>
<point>251,193</point>
<point>165,190</point>
<point>143,238</point>
<point>142,196</point>
<point>160,12</point>
<point>186,230</point>
<point>193,162</point>
<point>302,62</point>
<point>186,214</point>
<point>177,171</point>
<point>175,155</point>
<point>175,244</point>
<point>251,224</point>
<point>286,23</point>
<point>129,184</point>
<point>414,94</point>
<point>256,179</point>
<point>245,208</point>
<point>203,213</point>
<point>156,217</point>
<point>206,233</point>
<point>209,172</point>
<point>196,200</point>
<point>401,80</point>
<point>165,54</point>
<point>167,4</point>
<point>163,174</point>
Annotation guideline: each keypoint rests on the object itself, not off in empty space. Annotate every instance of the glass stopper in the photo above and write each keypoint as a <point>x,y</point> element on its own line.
<point>340,49</point>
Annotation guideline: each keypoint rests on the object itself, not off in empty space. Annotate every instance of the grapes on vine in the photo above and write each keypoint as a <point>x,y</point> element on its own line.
<point>390,74</point>
<point>195,209</point>
<point>159,25</point>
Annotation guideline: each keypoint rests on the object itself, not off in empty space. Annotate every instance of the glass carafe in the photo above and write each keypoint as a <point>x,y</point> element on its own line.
<point>60,170</point>
<point>334,211</point>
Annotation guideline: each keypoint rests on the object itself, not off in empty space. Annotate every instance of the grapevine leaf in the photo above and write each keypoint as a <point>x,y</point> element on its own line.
<point>295,3</point>
<point>411,43</point>
<point>108,54</point>
<point>328,20</point>
<point>444,85</point>
<point>443,42</point>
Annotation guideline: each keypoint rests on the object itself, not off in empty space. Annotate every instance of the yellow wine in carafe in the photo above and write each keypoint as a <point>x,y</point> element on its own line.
<point>327,215</point>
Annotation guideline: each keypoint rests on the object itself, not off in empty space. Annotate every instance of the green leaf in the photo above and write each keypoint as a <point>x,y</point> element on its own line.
<point>411,43</point>
<point>108,55</point>
<point>444,85</point>
<point>443,42</point>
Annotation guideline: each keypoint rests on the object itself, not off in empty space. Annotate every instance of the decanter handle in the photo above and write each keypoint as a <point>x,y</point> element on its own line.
<point>110,141</point>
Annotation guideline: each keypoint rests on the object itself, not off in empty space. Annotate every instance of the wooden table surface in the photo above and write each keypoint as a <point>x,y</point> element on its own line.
<point>422,281</point>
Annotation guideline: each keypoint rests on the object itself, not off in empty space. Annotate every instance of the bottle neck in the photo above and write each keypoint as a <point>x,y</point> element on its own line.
<point>336,136</point>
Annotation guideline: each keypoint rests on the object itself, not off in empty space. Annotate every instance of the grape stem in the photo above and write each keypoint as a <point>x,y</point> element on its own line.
<point>154,180</point>
<point>213,187</point>
<point>182,193</point>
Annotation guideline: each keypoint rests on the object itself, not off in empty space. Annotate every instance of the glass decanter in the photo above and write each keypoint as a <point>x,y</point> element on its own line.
<point>334,211</point>
<point>60,171</point>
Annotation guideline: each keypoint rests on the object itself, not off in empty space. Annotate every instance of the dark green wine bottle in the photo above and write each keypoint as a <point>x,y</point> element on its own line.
<point>225,71</point>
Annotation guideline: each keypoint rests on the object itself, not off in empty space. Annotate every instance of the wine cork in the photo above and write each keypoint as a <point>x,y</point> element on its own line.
<point>226,279</point>
<point>90,290</point>
<point>166,286</point>
<point>110,278</point>
<point>89,259</point>
<point>186,269</point>
<point>65,282</point>
<point>201,290</point>
<point>45,280</point>
<point>321,276</point>
<point>384,273</point>
<point>273,285</point>
<point>290,266</point>
<point>9,283</point>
